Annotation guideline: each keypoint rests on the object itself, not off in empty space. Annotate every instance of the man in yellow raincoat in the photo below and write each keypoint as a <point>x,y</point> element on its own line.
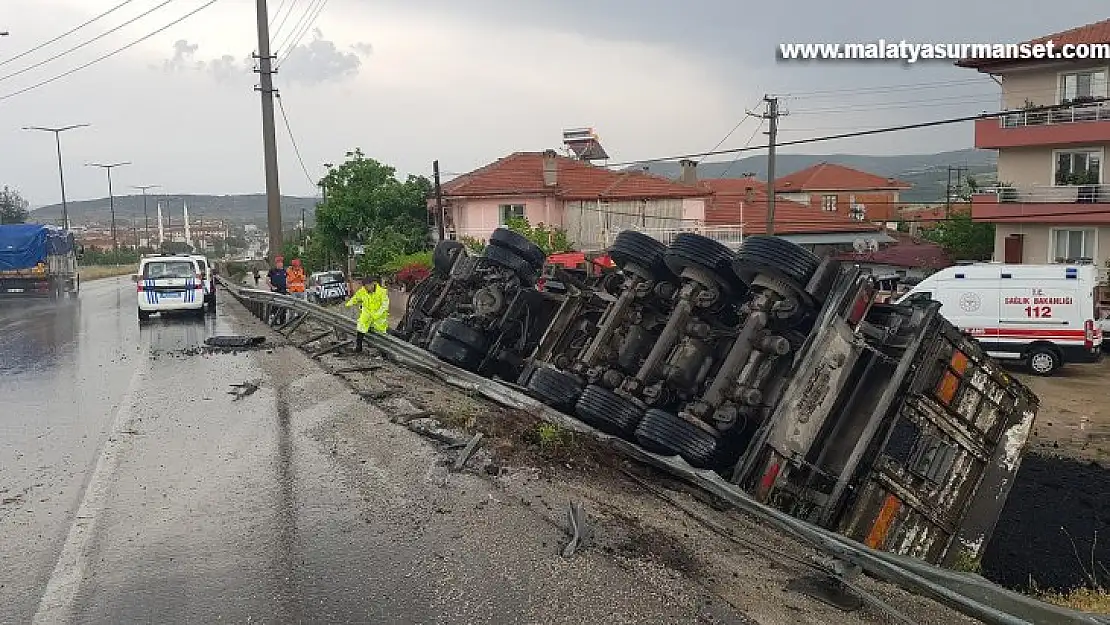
<point>374,302</point>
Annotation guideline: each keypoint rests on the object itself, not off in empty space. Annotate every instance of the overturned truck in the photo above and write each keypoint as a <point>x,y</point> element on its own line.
<point>771,366</point>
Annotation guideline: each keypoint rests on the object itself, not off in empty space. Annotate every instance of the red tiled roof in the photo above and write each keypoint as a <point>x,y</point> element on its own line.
<point>521,173</point>
<point>723,209</point>
<point>832,177</point>
<point>907,252</point>
<point>1097,32</point>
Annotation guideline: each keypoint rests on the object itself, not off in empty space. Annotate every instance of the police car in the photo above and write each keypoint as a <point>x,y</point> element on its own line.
<point>209,274</point>
<point>170,284</point>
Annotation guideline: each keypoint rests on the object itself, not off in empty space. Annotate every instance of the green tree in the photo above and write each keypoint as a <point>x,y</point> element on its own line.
<point>367,204</point>
<point>13,208</point>
<point>963,238</point>
<point>550,240</point>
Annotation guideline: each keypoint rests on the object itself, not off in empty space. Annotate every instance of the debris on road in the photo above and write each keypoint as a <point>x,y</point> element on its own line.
<point>243,389</point>
<point>234,342</point>
<point>467,452</point>
<point>579,529</point>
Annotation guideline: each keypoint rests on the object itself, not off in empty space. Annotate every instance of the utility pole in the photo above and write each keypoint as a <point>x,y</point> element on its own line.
<point>772,115</point>
<point>111,197</point>
<point>269,133</point>
<point>439,202</point>
<point>146,215</point>
<point>61,172</point>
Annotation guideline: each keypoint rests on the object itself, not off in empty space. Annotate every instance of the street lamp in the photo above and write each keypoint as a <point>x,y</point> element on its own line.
<point>111,198</point>
<point>61,172</point>
<point>146,215</point>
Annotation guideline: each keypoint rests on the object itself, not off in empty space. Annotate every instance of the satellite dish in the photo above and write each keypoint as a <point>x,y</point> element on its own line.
<point>872,245</point>
<point>860,245</point>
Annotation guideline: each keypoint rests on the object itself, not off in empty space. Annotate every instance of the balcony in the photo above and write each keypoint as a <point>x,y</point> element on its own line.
<point>1073,125</point>
<point>1070,204</point>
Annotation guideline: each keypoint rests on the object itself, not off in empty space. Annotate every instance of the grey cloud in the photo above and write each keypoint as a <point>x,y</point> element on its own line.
<point>183,54</point>
<point>363,48</point>
<point>226,68</point>
<point>320,60</point>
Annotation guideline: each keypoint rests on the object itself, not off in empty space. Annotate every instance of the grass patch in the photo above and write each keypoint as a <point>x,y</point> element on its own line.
<point>97,272</point>
<point>1095,600</point>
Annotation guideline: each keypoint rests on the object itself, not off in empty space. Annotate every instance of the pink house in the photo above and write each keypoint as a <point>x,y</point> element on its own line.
<point>591,203</point>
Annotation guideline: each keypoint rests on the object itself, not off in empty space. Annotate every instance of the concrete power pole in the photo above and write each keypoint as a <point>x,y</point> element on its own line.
<point>772,115</point>
<point>61,172</point>
<point>439,202</point>
<point>269,133</point>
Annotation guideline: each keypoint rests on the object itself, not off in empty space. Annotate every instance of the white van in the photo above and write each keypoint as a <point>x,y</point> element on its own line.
<point>1045,315</point>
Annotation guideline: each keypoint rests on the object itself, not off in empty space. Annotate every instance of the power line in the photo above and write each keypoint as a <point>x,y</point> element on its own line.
<point>293,140</point>
<point>746,144</point>
<point>298,26</point>
<point>734,129</point>
<point>885,88</point>
<point>82,45</point>
<point>67,33</point>
<point>851,135</point>
<point>292,7</point>
<point>304,31</point>
<point>110,54</point>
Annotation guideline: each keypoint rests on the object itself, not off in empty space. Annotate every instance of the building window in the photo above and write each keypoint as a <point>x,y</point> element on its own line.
<point>1070,246</point>
<point>1078,167</point>
<point>1082,86</point>
<point>828,202</point>
<point>511,211</point>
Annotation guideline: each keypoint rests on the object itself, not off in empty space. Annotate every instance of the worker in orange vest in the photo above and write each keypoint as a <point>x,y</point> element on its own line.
<point>294,277</point>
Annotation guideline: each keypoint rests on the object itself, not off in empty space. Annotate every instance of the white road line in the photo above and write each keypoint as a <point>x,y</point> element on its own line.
<point>56,605</point>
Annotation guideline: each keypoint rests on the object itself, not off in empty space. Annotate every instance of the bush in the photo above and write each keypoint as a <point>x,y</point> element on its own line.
<point>395,265</point>
<point>411,275</point>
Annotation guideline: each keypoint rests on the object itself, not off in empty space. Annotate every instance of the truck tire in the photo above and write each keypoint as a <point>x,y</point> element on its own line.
<point>631,247</point>
<point>510,260</point>
<point>1044,360</point>
<point>667,434</point>
<point>463,334</point>
<point>555,388</point>
<point>444,255</point>
<point>518,244</point>
<point>453,352</point>
<point>777,256</point>
<point>607,411</point>
<point>693,250</point>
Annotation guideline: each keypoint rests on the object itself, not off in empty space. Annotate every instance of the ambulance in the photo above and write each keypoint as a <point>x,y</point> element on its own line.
<point>1043,315</point>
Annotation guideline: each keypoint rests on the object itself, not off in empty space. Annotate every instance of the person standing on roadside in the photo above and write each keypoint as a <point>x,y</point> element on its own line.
<point>295,279</point>
<point>278,284</point>
<point>374,314</point>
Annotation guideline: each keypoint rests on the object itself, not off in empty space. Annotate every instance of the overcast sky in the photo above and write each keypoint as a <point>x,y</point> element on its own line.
<point>468,81</point>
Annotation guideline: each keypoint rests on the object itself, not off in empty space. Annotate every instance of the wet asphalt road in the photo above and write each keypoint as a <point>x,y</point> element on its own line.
<point>69,375</point>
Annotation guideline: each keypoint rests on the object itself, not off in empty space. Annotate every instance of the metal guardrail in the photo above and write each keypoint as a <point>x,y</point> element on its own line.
<point>969,594</point>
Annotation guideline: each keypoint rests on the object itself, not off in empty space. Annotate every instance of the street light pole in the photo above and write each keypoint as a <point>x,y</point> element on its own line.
<point>146,215</point>
<point>111,196</point>
<point>61,172</point>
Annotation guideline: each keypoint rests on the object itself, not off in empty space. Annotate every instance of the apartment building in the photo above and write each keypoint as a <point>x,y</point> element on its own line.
<point>1052,204</point>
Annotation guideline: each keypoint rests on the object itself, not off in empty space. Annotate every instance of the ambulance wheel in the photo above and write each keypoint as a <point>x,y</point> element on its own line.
<point>1044,360</point>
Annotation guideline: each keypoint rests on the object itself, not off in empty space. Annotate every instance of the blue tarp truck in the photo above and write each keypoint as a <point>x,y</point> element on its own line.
<point>38,261</point>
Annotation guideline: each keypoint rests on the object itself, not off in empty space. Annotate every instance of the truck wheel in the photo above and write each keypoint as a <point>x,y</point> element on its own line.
<point>1044,360</point>
<point>463,334</point>
<point>555,388</point>
<point>667,434</point>
<point>607,411</point>
<point>694,250</point>
<point>777,256</point>
<point>631,247</point>
<point>518,244</point>
<point>454,353</point>
<point>444,255</point>
<point>510,260</point>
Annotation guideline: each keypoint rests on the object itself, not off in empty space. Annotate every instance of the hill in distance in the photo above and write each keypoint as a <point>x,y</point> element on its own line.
<point>237,209</point>
<point>928,173</point>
